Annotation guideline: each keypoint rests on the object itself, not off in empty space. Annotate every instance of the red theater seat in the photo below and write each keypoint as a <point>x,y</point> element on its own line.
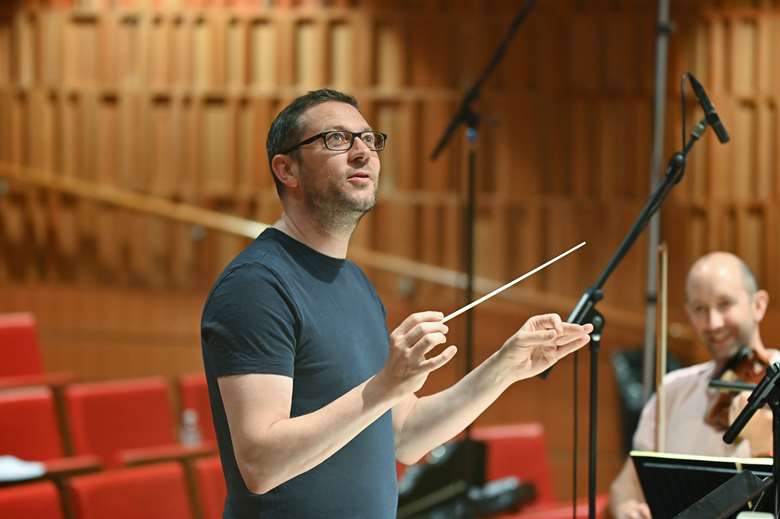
<point>29,430</point>
<point>30,501</point>
<point>22,361</point>
<point>519,450</point>
<point>28,424</point>
<point>19,345</point>
<point>125,421</point>
<point>150,492</point>
<point>194,394</point>
<point>210,484</point>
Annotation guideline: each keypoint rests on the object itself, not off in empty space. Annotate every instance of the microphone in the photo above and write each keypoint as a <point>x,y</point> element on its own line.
<point>709,110</point>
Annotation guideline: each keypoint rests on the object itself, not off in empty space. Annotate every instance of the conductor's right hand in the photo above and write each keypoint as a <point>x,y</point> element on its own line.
<point>407,366</point>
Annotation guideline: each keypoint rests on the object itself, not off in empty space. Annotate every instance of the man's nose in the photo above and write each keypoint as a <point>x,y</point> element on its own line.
<point>714,319</point>
<point>359,150</point>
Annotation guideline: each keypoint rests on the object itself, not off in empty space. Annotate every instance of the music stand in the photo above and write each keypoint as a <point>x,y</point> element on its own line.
<point>686,486</point>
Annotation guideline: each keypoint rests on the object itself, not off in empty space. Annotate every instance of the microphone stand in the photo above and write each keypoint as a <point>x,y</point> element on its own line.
<point>466,115</point>
<point>585,311</point>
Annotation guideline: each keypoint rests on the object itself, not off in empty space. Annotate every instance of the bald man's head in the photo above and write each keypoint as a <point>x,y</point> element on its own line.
<point>724,304</point>
<point>727,263</point>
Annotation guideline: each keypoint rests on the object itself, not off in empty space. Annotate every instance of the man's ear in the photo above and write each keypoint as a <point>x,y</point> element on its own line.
<point>760,303</point>
<point>285,169</point>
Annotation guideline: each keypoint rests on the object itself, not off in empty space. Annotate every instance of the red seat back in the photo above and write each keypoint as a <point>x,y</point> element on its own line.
<point>28,424</point>
<point>211,486</point>
<point>30,501</point>
<point>106,418</point>
<point>194,394</point>
<point>518,450</point>
<point>150,491</point>
<point>19,345</point>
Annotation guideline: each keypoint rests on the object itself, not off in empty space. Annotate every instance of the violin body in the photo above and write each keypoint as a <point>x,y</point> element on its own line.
<point>748,366</point>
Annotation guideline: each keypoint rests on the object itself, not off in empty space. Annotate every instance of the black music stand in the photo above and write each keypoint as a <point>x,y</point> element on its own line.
<point>687,487</point>
<point>730,495</point>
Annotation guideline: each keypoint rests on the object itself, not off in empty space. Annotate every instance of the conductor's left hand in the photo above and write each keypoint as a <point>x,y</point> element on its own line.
<point>540,343</point>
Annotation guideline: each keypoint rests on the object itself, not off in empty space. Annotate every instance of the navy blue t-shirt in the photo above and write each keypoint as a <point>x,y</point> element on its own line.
<point>283,308</point>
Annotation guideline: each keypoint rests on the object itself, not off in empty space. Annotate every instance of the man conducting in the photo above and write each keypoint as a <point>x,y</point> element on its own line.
<point>312,402</point>
<point>725,307</point>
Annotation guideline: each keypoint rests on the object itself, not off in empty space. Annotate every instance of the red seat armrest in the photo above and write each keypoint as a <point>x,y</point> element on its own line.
<point>166,453</point>
<point>60,378</point>
<point>71,466</point>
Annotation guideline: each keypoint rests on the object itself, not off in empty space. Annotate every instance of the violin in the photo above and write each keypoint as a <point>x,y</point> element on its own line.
<point>747,366</point>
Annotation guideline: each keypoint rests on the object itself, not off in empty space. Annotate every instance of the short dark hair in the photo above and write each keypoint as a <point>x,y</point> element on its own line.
<point>286,129</point>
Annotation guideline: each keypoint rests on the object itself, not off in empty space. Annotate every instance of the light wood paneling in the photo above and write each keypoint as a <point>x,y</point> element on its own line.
<point>173,98</point>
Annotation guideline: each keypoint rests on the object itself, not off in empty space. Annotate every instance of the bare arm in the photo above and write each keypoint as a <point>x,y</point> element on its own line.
<point>424,423</point>
<point>271,447</point>
<point>626,499</point>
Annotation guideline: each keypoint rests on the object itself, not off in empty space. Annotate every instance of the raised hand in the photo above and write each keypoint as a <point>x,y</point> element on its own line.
<point>540,343</point>
<point>407,366</point>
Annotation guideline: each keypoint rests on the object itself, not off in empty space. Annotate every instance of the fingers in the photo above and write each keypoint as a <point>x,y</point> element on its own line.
<point>417,318</point>
<point>539,337</point>
<point>574,345</point>
<point>423,330</point>
<point>427,343</point>
<point>576,329</point>
<point>587,327</point>
<point>546,321</point>
<point>569,333</point>
<point>574,333</point>
<point>554,320</point>
<point>439,360</point>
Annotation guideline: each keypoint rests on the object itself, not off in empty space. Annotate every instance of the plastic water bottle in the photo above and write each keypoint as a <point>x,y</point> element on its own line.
<point>189,434</point>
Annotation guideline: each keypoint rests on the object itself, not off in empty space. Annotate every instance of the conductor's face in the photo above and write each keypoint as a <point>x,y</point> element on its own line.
<point>723,313</point>
<point>338,181</point>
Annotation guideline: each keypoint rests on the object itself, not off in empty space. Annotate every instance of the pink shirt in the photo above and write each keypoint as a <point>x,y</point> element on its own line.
<point>687,399</point>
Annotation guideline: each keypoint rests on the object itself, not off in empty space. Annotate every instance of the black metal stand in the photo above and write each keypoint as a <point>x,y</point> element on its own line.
<point>739,490</point>
<point>468,224</point>
<point>766,392</point>
<point>467,116</point>
<point>585,310</point>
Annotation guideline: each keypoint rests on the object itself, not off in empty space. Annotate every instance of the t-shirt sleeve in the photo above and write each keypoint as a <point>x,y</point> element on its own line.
<point>249,324</point>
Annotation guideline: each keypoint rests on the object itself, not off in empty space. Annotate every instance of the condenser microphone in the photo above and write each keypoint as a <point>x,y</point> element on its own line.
<point>709,110</point>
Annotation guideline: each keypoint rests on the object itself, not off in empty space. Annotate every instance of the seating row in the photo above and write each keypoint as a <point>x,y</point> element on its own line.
<point>120,423</point>
<point>155,491</point>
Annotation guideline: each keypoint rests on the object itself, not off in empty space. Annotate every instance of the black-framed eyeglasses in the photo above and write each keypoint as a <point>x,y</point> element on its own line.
<point>342,140</point>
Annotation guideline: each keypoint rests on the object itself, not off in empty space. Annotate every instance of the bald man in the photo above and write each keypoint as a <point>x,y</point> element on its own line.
<point>725,307</point>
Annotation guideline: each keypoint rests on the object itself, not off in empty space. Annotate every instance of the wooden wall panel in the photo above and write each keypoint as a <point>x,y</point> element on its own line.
<point>262,54</point>
<point>173,98</point>
<point>253,172</point>
<point>217,167</point>
<point>8,58</point>
<point>390,51</point>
